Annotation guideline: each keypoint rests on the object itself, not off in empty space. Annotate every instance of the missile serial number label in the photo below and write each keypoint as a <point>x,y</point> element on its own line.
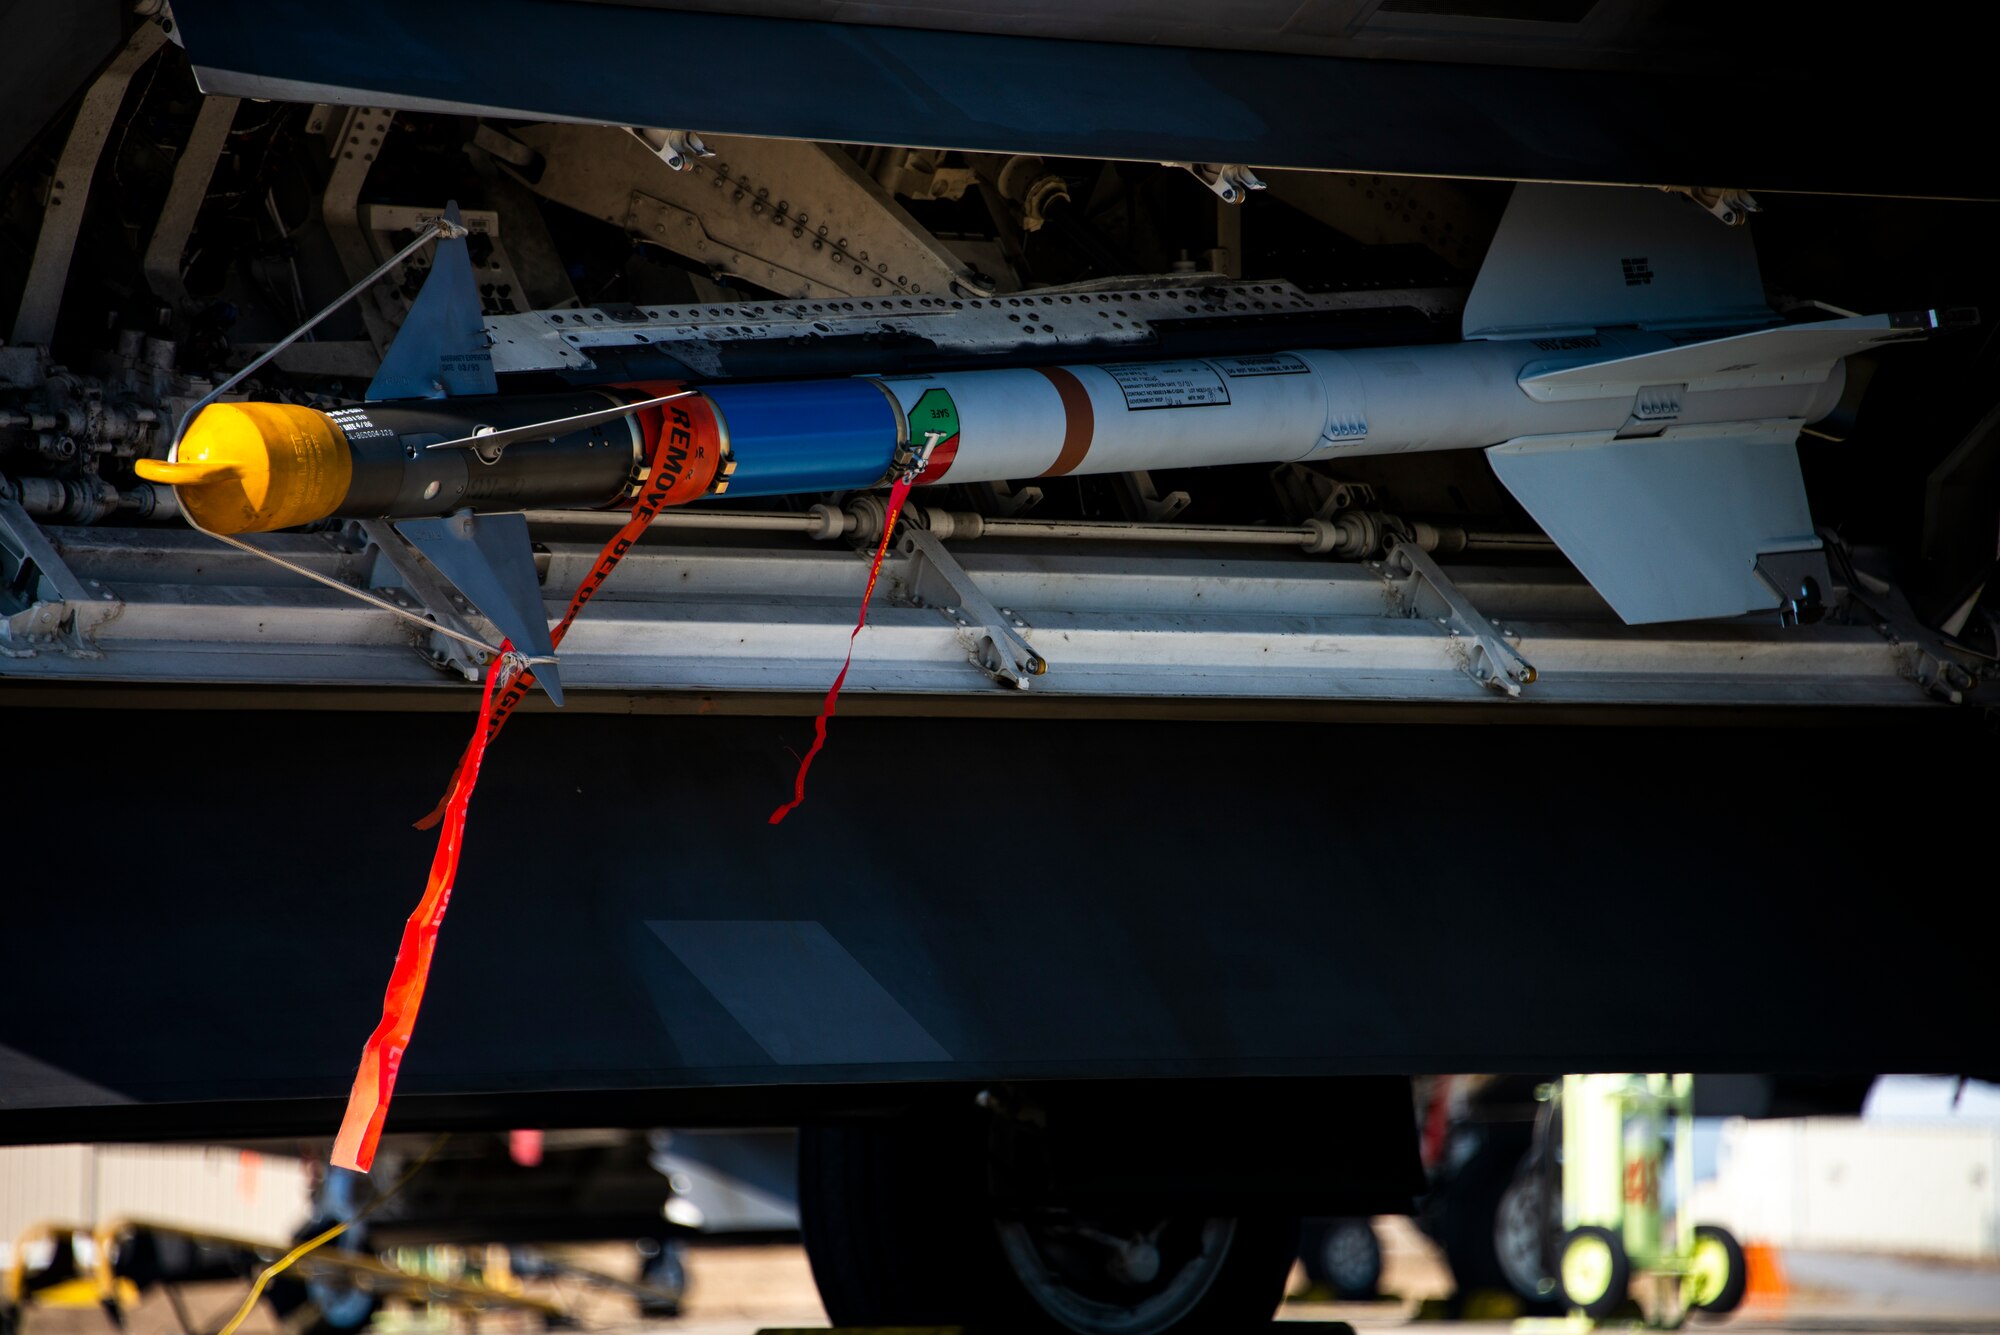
<point>1168,385</point>
<point>354,423</point>
<point>1277,363</point>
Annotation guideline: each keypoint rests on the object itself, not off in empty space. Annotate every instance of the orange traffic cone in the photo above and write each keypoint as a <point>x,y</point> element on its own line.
<point>1765,1284</point>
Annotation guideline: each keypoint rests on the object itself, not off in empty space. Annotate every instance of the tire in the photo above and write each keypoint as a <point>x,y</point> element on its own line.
<point>900,1230</point>
<point>1593,1272</point>
<point>1466,1208</point>
<point>1521,1236</point>
<point>1721,1275</point>
<point>1344,1257</point>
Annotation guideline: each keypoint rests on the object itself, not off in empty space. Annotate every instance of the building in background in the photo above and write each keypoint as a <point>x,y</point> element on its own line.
<point>213,1187</point>
<point>1918,1174</point>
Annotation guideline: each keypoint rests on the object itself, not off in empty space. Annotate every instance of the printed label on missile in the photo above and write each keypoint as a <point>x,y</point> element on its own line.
<point>1277,363</point>
<point>1149,385</point>
<point>355,424</point>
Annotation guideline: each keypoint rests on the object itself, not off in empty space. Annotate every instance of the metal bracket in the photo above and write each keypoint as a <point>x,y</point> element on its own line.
<point>934,578</point>
<point>69,189</point>
<point>1926,659</point>
<point>420,582</point>
<point>1145,499</point>
<point>1004,500</point>
<point>1732,208</point>
<point>673,147</point>
<point>1231,181</point>
<point>65,609</point>
<point>185,195</point>
<point>1802,582</point>
<point>1423,590</point>
<point>354,146</point>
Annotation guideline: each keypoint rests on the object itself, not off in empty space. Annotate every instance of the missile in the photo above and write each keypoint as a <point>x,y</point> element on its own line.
<point>254,467</point>
<point>1620,368</point>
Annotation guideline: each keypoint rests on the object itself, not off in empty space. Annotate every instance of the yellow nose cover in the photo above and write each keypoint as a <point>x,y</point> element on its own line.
<point>253,467</point>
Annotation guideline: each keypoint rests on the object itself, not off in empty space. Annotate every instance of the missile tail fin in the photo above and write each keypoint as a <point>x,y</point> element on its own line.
<point>1672,527</point>
<point>1792,354</point>
<point>1569,259</point>
<point>441,348</point>
<point>492,562</point>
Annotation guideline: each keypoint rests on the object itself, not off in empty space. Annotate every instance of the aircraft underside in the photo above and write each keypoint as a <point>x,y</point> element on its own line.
<point>1249,479</point>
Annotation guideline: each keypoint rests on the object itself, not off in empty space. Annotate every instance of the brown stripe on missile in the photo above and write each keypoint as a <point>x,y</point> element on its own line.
<point>1079,420</point>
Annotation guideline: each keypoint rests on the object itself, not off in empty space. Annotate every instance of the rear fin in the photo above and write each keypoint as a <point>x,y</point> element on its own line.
<point>1570,259</point>
<point>1793,354</point>
<point>492,562</point>
<point>441,348</point>
<point>1669,527</point>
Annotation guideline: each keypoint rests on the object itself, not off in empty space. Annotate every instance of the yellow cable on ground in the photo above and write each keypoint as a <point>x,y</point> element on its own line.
<point>285,1262</point>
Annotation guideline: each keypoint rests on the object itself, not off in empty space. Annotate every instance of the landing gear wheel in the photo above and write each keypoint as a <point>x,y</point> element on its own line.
<point>1344,1257</point>
<point>1521,1229</point>
<point>1593,1271</point>
<point>1717,1275</point>
<point>900,1230</point>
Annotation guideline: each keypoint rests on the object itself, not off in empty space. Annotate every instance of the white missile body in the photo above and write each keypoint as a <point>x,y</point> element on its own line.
<point>1315,404</point>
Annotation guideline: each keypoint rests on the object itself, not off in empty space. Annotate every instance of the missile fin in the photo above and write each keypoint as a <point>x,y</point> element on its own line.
<point>1793,354</point>
<point>1570,259</point>
<point>1667,527</point>
<point>492,562</point>
<point>441,348</point>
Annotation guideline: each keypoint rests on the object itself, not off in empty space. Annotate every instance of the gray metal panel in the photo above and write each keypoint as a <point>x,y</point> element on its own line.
<point>799,993</point>
<point>849,83</point>
<point>1573,258</point>
<point>1668,527</point>
<point>1083,898</point>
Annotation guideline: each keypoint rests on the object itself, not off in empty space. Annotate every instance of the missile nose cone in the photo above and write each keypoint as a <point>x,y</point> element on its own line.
<point>254,467</point>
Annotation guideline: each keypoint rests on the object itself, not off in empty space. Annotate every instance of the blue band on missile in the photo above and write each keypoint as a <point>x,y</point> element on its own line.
<point>802,436</point>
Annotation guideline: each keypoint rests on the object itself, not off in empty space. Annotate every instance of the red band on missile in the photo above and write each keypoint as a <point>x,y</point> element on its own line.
<point>382,1054</point>
<point>940,461</point>
<point>1079,420</point>
<point>688,427</point>
<point>683,443</point>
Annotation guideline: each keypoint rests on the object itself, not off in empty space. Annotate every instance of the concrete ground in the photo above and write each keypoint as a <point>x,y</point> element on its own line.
<point>739,1290</point>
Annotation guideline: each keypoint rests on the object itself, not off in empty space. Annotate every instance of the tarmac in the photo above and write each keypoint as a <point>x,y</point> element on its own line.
<point>742,1290</point>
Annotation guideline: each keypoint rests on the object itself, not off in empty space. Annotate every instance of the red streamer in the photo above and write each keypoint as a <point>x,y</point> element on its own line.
<point>898,493</point>
<point>382,1055</point>
<point>652,500</point>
